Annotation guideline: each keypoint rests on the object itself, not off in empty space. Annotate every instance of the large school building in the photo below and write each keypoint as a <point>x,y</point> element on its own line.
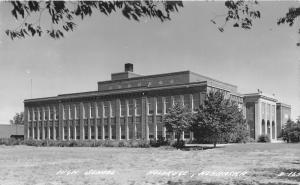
<point>131,106</point>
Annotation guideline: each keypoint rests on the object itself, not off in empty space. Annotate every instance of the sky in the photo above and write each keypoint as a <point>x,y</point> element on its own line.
<point>265,57</point>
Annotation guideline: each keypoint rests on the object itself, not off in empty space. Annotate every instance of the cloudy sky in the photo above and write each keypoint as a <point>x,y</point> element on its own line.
<point>265,57</point>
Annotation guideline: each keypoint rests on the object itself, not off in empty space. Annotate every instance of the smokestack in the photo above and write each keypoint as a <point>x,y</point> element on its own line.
<point>128,67</point>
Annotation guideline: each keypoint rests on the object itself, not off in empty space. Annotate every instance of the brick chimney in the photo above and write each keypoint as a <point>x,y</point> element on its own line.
<point>128,67</point>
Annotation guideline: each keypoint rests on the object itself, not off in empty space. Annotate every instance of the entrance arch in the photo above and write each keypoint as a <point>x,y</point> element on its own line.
<point>273,130</point>
<point>263,127</point>
<point>268,128</point>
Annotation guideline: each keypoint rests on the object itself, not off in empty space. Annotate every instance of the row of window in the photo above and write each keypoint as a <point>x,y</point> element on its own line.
<point>134,131</point>
<point>127,107</point>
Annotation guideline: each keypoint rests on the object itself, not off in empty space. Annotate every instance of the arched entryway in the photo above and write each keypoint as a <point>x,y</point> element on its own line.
<point>273,130</point>
<point>263,127</point>
<point>268,128</point>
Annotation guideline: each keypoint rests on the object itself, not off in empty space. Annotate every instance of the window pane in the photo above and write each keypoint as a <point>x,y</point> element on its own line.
<point>150,105</point>
<point>93,110</point>
<point>138,106</point>
<point>196,100</point>
<point>159,105</point>
<point>123,108</point>
<point>106,109</point>
<point>186,101</point>
<point>131,107</point>
<point>113,108</point>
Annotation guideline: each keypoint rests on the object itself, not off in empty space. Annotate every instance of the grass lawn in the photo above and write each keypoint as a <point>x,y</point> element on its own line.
<point>261,164</point>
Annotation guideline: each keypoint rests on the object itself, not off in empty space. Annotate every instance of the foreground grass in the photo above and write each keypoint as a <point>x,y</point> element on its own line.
<point>47,165</point>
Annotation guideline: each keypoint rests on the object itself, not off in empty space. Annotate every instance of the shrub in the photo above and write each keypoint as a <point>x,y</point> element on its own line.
<point>143,144</point>
<point>179,144</point>
<point>161,141</point>
<point>294,136</point>
<point>123,144</point>
<point>264,138</point>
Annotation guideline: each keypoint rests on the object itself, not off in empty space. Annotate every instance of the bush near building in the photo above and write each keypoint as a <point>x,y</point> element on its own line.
<point>264,138</point>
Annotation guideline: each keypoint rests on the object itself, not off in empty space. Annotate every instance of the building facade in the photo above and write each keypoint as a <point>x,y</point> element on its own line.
<point>261,115</point>
<point>129,106</point>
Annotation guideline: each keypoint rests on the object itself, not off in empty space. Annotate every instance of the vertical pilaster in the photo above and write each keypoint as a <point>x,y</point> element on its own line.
<point>61,122</point>
<point>48,124</point>
<point>81,121</point>
<point>118,125</point>
<point>26,123</point>
<point>191,109</point>
<point>164,132</point>
<point>32,123</point>
<point>75,122</point>
<point>191,135</point>
<point>37,124</point>
<point>145,126</point>
<point>257,124</point>
<point>109,122</point>
<point>95,120</point>
<point>89,122</point>
<point>102,120</point>
<point>134,120</point>
<point>43,123</point>
<point>154,117</point>
<point>126,120</point>
<point>275,122</point>
<point>182,135</point>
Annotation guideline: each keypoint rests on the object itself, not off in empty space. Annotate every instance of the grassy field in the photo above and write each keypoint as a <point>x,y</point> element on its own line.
<point>258,164</point>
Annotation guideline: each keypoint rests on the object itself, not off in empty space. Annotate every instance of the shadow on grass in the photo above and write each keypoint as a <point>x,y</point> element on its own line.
<point>189,148</point>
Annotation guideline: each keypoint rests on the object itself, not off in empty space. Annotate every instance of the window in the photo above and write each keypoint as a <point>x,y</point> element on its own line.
<point>99,105</point>
<point>77,111</point>
<point>46,113</point>
<point>71,111</point>
<point>168,103</point>
<point>130,107</point>
<point>186,101</point>
<point>56,113</point>
<point>92,115</point>
<point>40,114</point>
<point>51,113</point>
<point>177,99</point>
<point>123,108</point>
<point>196,101</point>
<point>30,115</point>
<point>66,112</point>
<point>35,114</point>
<point>150,104</point>
<point>159,105</point>
<point>106,109</point>
<point>113,108</point>
<point>86,110</point>
<point>138,106</point>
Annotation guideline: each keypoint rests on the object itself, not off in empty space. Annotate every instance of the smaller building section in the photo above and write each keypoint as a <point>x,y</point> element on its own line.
<point>261,115</point>
<point>283,114</point>
<point>12,131</point>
